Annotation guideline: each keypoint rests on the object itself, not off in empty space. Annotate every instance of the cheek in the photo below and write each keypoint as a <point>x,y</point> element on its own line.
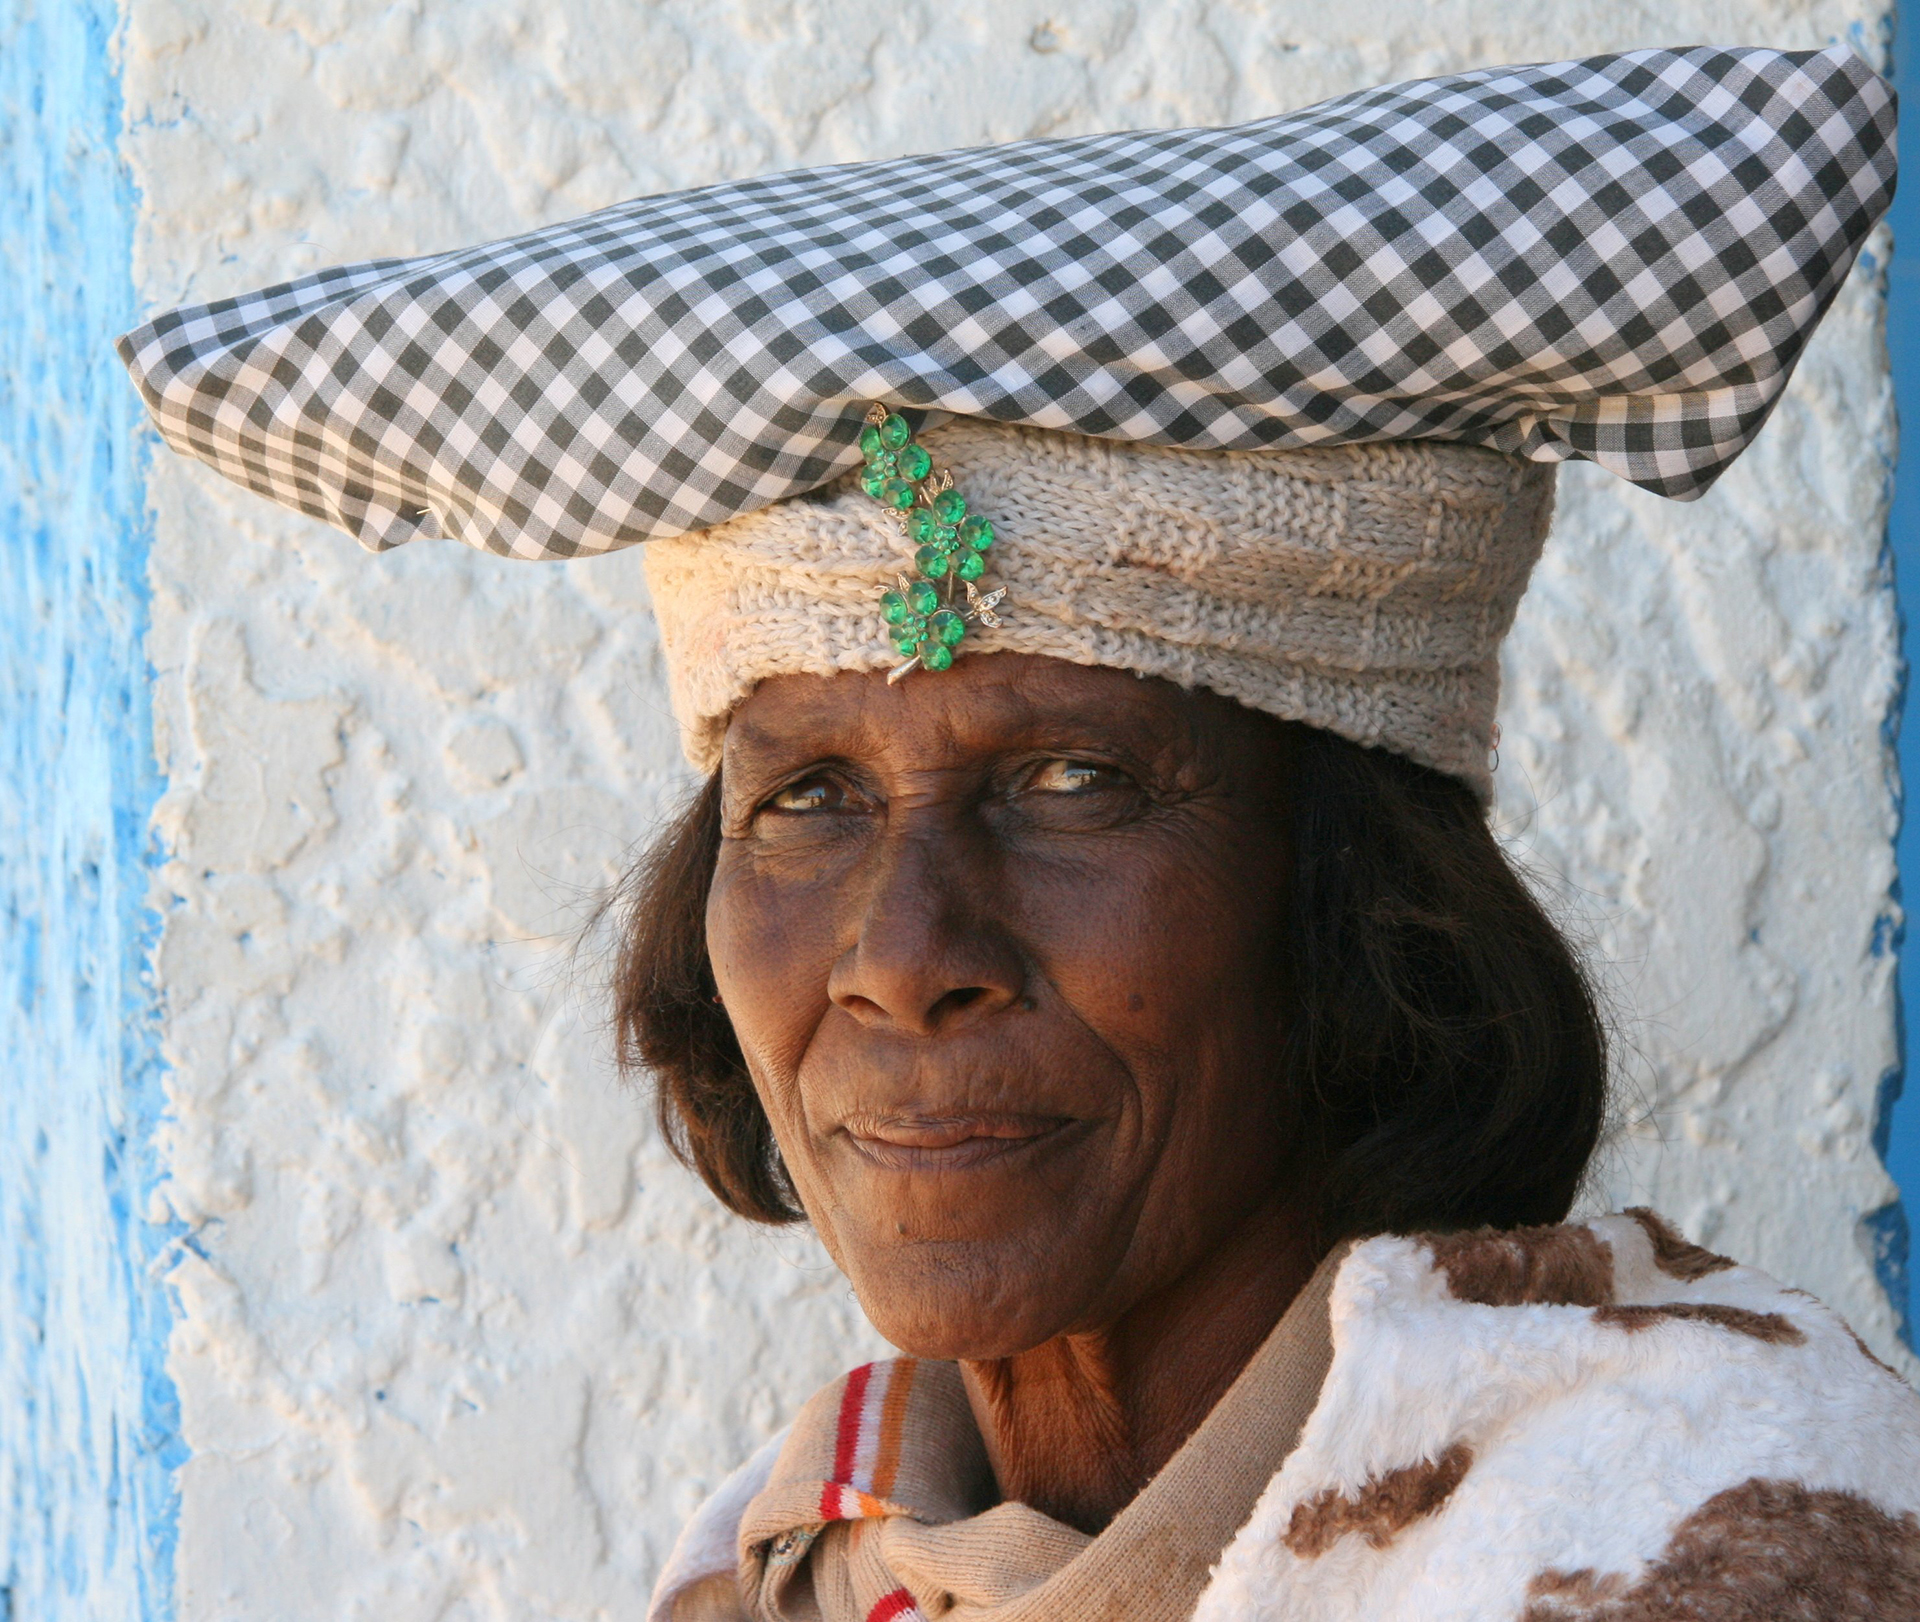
<point>772,942</point>
<point>1170,952</point>
<point>1168,945</point>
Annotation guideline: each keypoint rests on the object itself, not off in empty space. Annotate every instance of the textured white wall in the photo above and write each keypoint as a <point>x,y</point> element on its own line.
<point>457,1340</point>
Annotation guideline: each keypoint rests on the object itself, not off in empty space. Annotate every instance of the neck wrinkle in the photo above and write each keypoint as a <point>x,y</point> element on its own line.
<point>1056,1431</point>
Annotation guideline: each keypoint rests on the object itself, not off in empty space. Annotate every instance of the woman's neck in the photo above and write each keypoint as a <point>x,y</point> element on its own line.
<point>1078,1425</point>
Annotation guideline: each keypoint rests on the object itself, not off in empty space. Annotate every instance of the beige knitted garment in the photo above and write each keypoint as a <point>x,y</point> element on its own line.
<point>1363,589</point>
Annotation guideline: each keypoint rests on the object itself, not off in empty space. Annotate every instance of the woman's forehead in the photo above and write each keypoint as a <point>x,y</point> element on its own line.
<point>986,704</point>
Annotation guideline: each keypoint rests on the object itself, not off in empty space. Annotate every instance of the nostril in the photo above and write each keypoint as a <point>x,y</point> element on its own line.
<point>955,1001</point>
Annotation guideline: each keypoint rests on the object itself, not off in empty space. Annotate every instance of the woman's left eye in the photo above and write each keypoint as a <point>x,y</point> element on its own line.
<point>1074,777</point>
<point>810,794</point>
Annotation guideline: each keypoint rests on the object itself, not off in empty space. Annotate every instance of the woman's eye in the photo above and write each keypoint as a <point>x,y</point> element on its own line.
<point>1073,777</point>
<point>810,794</point>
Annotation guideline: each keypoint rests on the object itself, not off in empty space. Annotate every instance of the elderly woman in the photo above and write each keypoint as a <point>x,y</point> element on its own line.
<point>1090,923</point>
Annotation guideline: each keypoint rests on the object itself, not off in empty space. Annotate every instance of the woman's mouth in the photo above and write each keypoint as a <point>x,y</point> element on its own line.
<point>911,1141</point>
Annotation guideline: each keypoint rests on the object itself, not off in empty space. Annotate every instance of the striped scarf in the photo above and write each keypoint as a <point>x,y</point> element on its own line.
<point>883,1507</point>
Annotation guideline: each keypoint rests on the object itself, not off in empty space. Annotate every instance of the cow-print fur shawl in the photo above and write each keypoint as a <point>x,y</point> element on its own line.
<point>1595,1423</point>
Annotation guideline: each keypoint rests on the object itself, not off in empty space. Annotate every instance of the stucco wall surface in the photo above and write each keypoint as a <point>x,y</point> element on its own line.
<point>456,1339</point>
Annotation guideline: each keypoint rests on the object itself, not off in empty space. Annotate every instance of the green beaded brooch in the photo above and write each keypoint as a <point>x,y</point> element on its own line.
<point>950,546</point>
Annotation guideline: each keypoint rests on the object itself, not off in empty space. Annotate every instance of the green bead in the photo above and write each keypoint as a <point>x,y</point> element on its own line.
<point>946,534</point>
<point>915,462</point>
<point>948,627</point>
<point>904,645</point>
<point>951,506</point>
<point>922,526</point>
<point>894,432</point>
<point>893,607</point>
<point>873,483</point>
<point>897,494</point>
<point>922,598</point>
<point>935,657</point>
<point>870,445</point>
<point>931,562</point>
<point>977,533</point>
<point>971,566</point>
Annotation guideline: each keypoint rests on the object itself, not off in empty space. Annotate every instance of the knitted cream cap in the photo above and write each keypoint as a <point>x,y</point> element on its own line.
<point>1362,588</point>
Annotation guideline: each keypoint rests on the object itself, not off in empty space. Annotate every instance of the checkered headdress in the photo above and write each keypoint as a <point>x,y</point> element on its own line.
<point>1619,258</point>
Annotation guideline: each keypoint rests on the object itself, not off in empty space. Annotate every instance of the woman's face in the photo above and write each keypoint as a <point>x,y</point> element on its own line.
<point>1001,946</point>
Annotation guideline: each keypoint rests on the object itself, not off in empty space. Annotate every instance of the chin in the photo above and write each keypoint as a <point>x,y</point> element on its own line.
<point>964,1301</point>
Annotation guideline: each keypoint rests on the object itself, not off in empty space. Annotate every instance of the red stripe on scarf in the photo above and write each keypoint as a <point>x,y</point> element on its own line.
<point>892,1606</point>
<point>846,1444</point>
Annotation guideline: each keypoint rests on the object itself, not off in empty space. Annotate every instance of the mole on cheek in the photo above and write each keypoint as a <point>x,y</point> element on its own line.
<point>1135,1002</point>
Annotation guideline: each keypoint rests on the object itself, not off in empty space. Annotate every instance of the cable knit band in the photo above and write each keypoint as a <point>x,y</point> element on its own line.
<point>1363,589</point>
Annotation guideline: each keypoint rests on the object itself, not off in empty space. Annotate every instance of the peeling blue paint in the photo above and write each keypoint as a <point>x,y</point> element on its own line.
<point>89,1422</point>
<point>1897,1128</point>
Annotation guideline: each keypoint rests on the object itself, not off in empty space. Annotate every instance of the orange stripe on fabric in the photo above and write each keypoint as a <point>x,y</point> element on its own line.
<point>893,1425</point>
<point>842,1503</point>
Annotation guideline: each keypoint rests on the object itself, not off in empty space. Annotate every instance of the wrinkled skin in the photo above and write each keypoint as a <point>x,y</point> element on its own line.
<point>1002,949</point>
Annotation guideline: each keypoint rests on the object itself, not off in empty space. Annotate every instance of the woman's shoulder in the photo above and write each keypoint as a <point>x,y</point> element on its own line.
<point>1597,1420</point>
<point>700,1571</point>
<point>698,1583</point>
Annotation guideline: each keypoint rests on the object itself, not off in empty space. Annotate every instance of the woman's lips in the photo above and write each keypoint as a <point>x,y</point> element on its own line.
<point>926,1142</point>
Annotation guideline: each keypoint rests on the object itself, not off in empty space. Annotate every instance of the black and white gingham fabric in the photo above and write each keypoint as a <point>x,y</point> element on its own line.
<point>1619,258</point>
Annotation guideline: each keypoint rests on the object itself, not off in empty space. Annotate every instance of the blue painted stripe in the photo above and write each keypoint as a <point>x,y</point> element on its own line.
<point>1897,1130</point>
<point>89,1424</point>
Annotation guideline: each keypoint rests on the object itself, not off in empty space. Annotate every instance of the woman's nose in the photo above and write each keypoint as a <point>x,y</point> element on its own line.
<point>929,956</point>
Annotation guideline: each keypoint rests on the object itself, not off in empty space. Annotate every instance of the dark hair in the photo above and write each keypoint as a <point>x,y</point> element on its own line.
<point>1445,1042</point>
